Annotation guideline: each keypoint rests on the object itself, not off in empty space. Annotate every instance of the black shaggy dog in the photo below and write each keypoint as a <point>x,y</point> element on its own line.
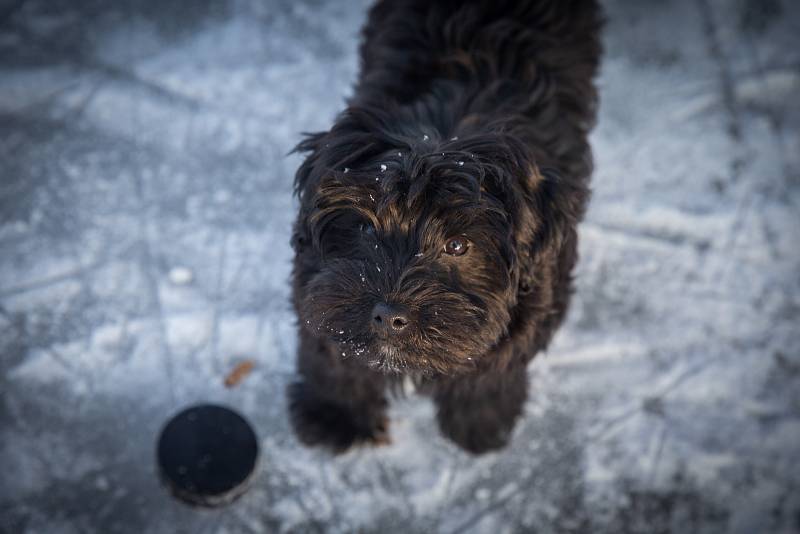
<point>437,224</point>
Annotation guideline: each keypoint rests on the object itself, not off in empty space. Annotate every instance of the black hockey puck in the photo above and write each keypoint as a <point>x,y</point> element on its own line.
<point>207,455</point>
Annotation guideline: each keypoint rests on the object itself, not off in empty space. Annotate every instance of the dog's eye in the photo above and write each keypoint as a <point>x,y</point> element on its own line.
<point>456,246</point>
<point>367,229</point>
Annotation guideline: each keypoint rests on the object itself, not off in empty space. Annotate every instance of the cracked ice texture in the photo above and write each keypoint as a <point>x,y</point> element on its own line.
<point>145,202</point>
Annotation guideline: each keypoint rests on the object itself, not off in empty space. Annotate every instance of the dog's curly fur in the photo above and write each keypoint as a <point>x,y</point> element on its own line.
<point>470,121</point>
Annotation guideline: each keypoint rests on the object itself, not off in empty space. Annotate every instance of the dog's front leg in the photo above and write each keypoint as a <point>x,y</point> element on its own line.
<point>336,403</point>
<point>478,411</point>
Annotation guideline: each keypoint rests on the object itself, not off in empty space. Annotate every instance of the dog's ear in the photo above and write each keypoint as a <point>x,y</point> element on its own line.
<point>308,173</point>
<point>305,183</point>
<point>559,203</point>
<point>553,208</point>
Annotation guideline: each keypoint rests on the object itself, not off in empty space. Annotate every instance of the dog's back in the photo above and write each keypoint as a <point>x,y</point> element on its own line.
<point>530,59</point>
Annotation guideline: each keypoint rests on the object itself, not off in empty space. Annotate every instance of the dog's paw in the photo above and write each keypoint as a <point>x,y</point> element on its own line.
<point>319,422</point>
<point>475,435</point>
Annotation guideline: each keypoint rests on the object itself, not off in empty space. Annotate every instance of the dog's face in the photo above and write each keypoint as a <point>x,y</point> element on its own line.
<point>413,258</point>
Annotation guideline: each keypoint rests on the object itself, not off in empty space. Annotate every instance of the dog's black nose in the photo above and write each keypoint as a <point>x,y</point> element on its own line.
<point>389,318</point>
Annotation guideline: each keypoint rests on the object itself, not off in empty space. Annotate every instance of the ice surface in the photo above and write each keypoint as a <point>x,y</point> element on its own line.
<point>145,208</point>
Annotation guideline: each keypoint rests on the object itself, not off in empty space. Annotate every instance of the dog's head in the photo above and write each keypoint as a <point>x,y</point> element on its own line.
<point>416,253</point>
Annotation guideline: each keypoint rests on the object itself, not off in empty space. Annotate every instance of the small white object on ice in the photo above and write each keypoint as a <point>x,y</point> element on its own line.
<point>460,163</point>
<point>346,170</point>
<point>383,167</point>
<point>482,494</point>
<point>180,276</point>
<point>425,137</point>
<point>454,138</point>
